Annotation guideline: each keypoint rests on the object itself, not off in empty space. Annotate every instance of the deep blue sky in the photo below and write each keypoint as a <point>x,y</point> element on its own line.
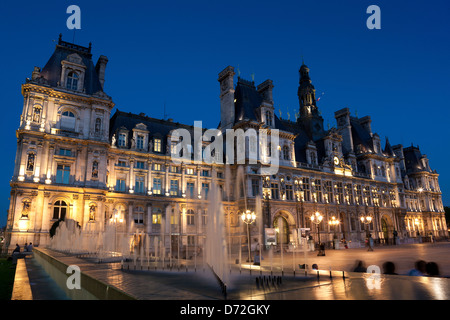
<point>163,52</point>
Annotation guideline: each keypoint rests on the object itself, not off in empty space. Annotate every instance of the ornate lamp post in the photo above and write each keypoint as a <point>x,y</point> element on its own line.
<point>317,219</point>
<point>367,219</point>
<point>333,224</point>
<point>248,217</point>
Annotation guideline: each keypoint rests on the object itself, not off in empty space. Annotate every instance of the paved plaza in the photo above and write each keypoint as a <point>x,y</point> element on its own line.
<point>257,283</point>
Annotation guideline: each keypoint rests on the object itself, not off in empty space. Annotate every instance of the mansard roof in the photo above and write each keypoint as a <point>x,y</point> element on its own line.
<point>248,100</point>
<point>360,136</point>
<point>52,70</point>
<point>156,127</point>
<point>413,160</point>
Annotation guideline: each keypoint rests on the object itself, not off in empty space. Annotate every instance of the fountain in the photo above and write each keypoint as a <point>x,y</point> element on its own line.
<point>216,245</point>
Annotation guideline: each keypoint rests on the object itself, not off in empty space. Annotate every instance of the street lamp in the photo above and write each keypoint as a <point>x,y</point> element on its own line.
<point>248,217</point>
<point>334,223</point>
<point>367,219</point>
<point>317,219</point>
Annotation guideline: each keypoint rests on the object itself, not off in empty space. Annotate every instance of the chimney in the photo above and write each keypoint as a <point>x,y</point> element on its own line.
<point>100,69</point>
<point>227,112</point>
<point>265,90</point>
<point>366,122</point>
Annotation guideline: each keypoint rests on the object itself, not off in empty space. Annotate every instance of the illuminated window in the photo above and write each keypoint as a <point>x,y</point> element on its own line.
<point>157,145</point>
<point>156,218</point>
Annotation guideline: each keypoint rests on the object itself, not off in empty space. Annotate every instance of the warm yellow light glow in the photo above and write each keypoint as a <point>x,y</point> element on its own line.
<point>23,224</point>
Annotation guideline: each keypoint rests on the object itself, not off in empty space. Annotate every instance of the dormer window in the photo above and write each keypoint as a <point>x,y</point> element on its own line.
<point>140,142</point>
<point>122,140</point>
<point>157,145</point>
<point>72,81</point>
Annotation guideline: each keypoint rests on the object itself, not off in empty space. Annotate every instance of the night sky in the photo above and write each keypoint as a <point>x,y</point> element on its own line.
<point>170,53</point>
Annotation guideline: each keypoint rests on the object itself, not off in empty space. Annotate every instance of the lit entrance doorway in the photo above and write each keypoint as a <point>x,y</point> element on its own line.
<point>282,226</point>
<point>386,229</point>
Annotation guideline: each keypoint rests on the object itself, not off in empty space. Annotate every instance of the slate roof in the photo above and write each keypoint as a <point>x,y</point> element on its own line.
<point>156,127</point>
<point>52,70</point>
<point>360,135</point>
<point>247,99</point>
<point>413,158</point>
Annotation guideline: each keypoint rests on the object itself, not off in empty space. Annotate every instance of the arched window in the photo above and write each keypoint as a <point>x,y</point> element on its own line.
<point>59,210</point>
<point>68,120</point>
<point>72,81</point>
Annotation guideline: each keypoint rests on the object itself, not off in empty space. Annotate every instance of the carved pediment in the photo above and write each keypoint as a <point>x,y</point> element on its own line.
<point>141,126</point>
<point>75,58</point>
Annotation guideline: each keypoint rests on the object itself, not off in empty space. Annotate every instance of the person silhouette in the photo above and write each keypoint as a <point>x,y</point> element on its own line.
<point>389,267</point>
<point>419,268</point>
<point>432,269</point>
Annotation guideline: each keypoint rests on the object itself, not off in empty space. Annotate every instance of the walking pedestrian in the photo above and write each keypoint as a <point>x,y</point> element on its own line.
<point>370,243</point>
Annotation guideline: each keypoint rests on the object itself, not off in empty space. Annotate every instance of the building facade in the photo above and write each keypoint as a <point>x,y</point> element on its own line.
<point>76,160</point>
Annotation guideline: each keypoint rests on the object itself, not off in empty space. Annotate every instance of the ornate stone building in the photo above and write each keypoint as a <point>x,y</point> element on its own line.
<point>76,160</point>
